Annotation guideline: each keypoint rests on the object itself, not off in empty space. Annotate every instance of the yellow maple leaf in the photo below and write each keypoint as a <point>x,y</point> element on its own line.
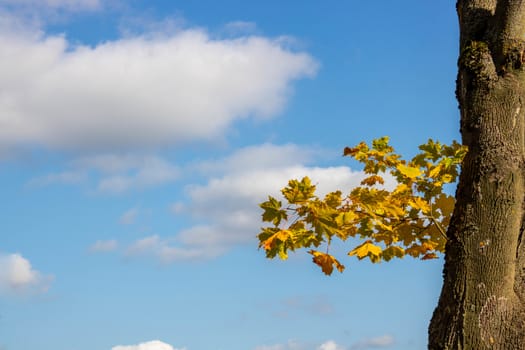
<point>445,203</point>
<point>426,249</point>
<point>410,220</point>
<point>429,245</point>
<point>326,262</point>
<point>419,204</point>
<point>282,236</point>
<point>372,180</point>
<point>447,178</point>
<point>346,218</point>
<point>367,249</point>
<point>429,256</point>
<point>402,188</point>
<point>409,171</point>
<point>393,251</point>
<point>433,173</point>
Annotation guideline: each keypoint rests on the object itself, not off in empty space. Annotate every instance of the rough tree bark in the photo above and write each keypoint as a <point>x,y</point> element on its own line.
<point>482,303</point>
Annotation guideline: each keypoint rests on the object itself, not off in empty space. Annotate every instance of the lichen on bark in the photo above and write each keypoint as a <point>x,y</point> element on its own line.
<point>476,59</point>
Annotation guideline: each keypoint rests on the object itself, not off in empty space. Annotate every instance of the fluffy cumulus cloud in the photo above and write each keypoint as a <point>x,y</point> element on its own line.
<point>294,345</point>
<point>225,208</point>
<point>330,345</point>
<point>18,277</point>
<point>372,343</point>
<point>151,345</point>
<point>144,90</point>
<point>228,203</point>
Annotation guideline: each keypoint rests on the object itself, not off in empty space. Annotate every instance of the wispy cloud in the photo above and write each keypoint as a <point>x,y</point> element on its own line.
<point>103,246</point>
<point>72,5</point>
<point>121,173</point>
<point>114,173</point>
<point>68,177</point>
<point>240,27</point>
<point>383,341</point>
<point>225,209</point>
<point>290,345</point>
<point>295,345</point>
<point>129,216</point>
<point>170,250</point>
<point>151,345</point>
<point>19,278</point>
<point>297,306</point>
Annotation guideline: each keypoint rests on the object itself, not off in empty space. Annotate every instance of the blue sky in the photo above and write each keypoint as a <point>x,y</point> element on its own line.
<point>138,137</point>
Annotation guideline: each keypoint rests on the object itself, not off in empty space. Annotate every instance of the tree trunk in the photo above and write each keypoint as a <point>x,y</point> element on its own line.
<point>482,303</point>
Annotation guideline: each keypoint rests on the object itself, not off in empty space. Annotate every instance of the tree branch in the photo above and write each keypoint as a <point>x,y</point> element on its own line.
<point>488,5</point>
<point>474,16</point>
<point>508,28</point>
<point>510,17</point>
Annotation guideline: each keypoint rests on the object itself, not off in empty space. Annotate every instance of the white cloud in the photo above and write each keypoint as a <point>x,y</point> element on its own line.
<point>121,173</point>
<point>253,185</point>
<point>330,345</point>
<point>17,276</point>
<point>68,177</point>
<point>101,246</point>
<point>242,27</point>
<point>228,204</point>
<point>56,4</point>
<point>152,172</point>
<point>264,156</point>
<point>112,163</point>
<point>290,345</point>
<point>144,245</point>
<point>170,250</point>
<point>177,208</point>
<point>294,345</point>
<point>115,173</point>
<point>151,345</point>
<point>383,341</point>
<point>226,207</point>
<point>129,216</point>
<point>139,91</point>
<point>297,306</point>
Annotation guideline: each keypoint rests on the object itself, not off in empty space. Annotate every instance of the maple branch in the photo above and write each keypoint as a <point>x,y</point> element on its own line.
<point>510,15</point>
<point>474,16</point>
<point>489,5</point>
<point>439,227</point>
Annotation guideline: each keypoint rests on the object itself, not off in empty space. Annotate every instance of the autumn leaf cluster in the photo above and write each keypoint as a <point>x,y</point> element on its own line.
<point>410,219</point>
